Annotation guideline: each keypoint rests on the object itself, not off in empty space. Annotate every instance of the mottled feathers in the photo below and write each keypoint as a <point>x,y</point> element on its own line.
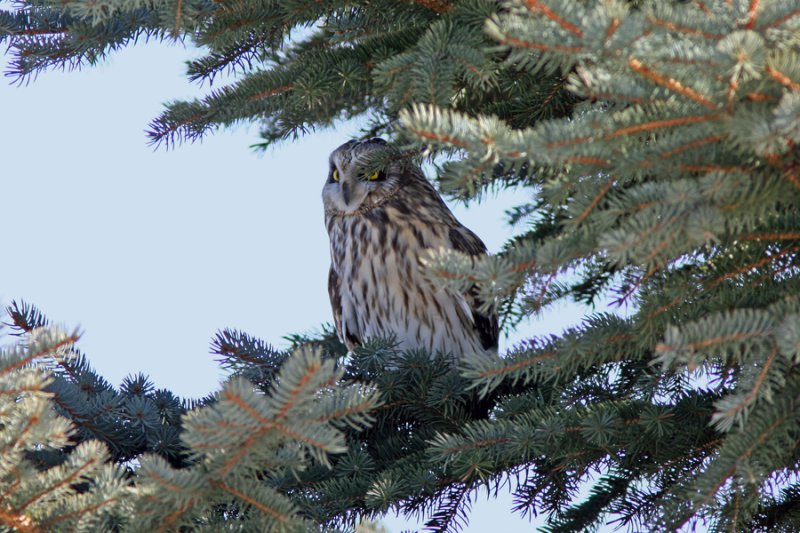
<point>381,222</point>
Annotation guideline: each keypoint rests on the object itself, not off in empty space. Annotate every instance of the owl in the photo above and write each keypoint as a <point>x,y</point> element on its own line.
<point>381,224</point>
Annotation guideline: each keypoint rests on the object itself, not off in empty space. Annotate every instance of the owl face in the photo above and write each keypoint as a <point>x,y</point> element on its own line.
<point>354,182</point>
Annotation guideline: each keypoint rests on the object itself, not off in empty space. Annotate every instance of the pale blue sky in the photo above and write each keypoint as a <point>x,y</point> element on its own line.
<point>150,252</point>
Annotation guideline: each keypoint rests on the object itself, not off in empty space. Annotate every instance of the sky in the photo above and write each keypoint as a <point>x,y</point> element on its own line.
<point>150,252</point>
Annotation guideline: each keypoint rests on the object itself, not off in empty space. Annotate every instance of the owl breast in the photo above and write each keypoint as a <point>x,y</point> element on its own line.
<point>383,292</point>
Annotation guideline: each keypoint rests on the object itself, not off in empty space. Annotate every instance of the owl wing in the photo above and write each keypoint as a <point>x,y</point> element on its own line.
<point>486,323</point>
<point>335,292</point>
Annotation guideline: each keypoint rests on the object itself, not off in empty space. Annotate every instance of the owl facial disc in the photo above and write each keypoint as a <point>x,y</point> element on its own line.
<point>354,184</point>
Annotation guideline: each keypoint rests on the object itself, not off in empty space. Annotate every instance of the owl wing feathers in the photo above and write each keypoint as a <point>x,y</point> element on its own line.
<point>486,323</point>
<point>335,293</point>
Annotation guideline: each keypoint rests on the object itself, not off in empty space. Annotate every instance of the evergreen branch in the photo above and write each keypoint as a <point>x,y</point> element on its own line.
<point>755,441</point>
<point>22,435</point>
<point>782,78</point>
<point>751,14</point>
<point>783,236</point>
<point>75,474</point>
<point>783,19</point>
<point>722,169</point>
<point>450,509</point>
<point>550,360</point>
<point>237,400</point>
<point>17,391</point>
<point>509,40</point>
<point>25,317</point>
<point>512,367</point>
<point>245,448</point>
<point>268,93</point>
<point>43,343</point>
<point>310,442</point>
<point>437,6</point>
<point>21,523</point>
<point>152,474</point>
<point>673,27</point>
<point>706,343</point>
<point>690,146</point>
<point>658,125</point>
<point>280,517</point>
<point>647,275</point>
<point>536,5</point>
<point>474,445</point>
<point>76,485</point>
<point>604,492</point>
<point>720,419</point>
<point>748,267</point>
<point>176,29</point>
<point>293,395</point>
<point>351,410</point>
<point>89,510</point>
<point>595,201</point>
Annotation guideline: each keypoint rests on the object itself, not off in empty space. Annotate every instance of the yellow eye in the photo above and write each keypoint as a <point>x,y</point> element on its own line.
<point>374,176</point>
<point>335,175</point>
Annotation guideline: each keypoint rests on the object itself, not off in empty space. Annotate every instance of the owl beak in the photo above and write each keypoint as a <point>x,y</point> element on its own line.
<point>346,192</point>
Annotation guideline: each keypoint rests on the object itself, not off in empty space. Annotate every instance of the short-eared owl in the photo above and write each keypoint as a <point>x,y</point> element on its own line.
<point>380,224</point>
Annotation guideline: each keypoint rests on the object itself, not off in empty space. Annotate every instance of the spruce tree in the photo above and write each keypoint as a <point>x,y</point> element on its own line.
<point>80,455</point>
<point>49,479</point>
<point>660,140</point>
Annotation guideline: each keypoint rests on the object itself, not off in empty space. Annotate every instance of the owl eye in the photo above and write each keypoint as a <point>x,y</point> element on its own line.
<point>335,175</point>
<point>376,175</point>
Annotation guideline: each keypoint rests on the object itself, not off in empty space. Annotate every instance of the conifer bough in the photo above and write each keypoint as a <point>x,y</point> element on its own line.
<point>660,140</point>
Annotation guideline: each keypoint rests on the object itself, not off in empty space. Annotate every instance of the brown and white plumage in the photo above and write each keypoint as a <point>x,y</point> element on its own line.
<point>381,224</point>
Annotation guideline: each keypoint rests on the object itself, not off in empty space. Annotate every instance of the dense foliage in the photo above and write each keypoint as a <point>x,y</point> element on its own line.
<point>660,140</point>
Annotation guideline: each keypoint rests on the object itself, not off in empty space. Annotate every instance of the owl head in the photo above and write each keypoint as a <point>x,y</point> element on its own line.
<point>360,177</point>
